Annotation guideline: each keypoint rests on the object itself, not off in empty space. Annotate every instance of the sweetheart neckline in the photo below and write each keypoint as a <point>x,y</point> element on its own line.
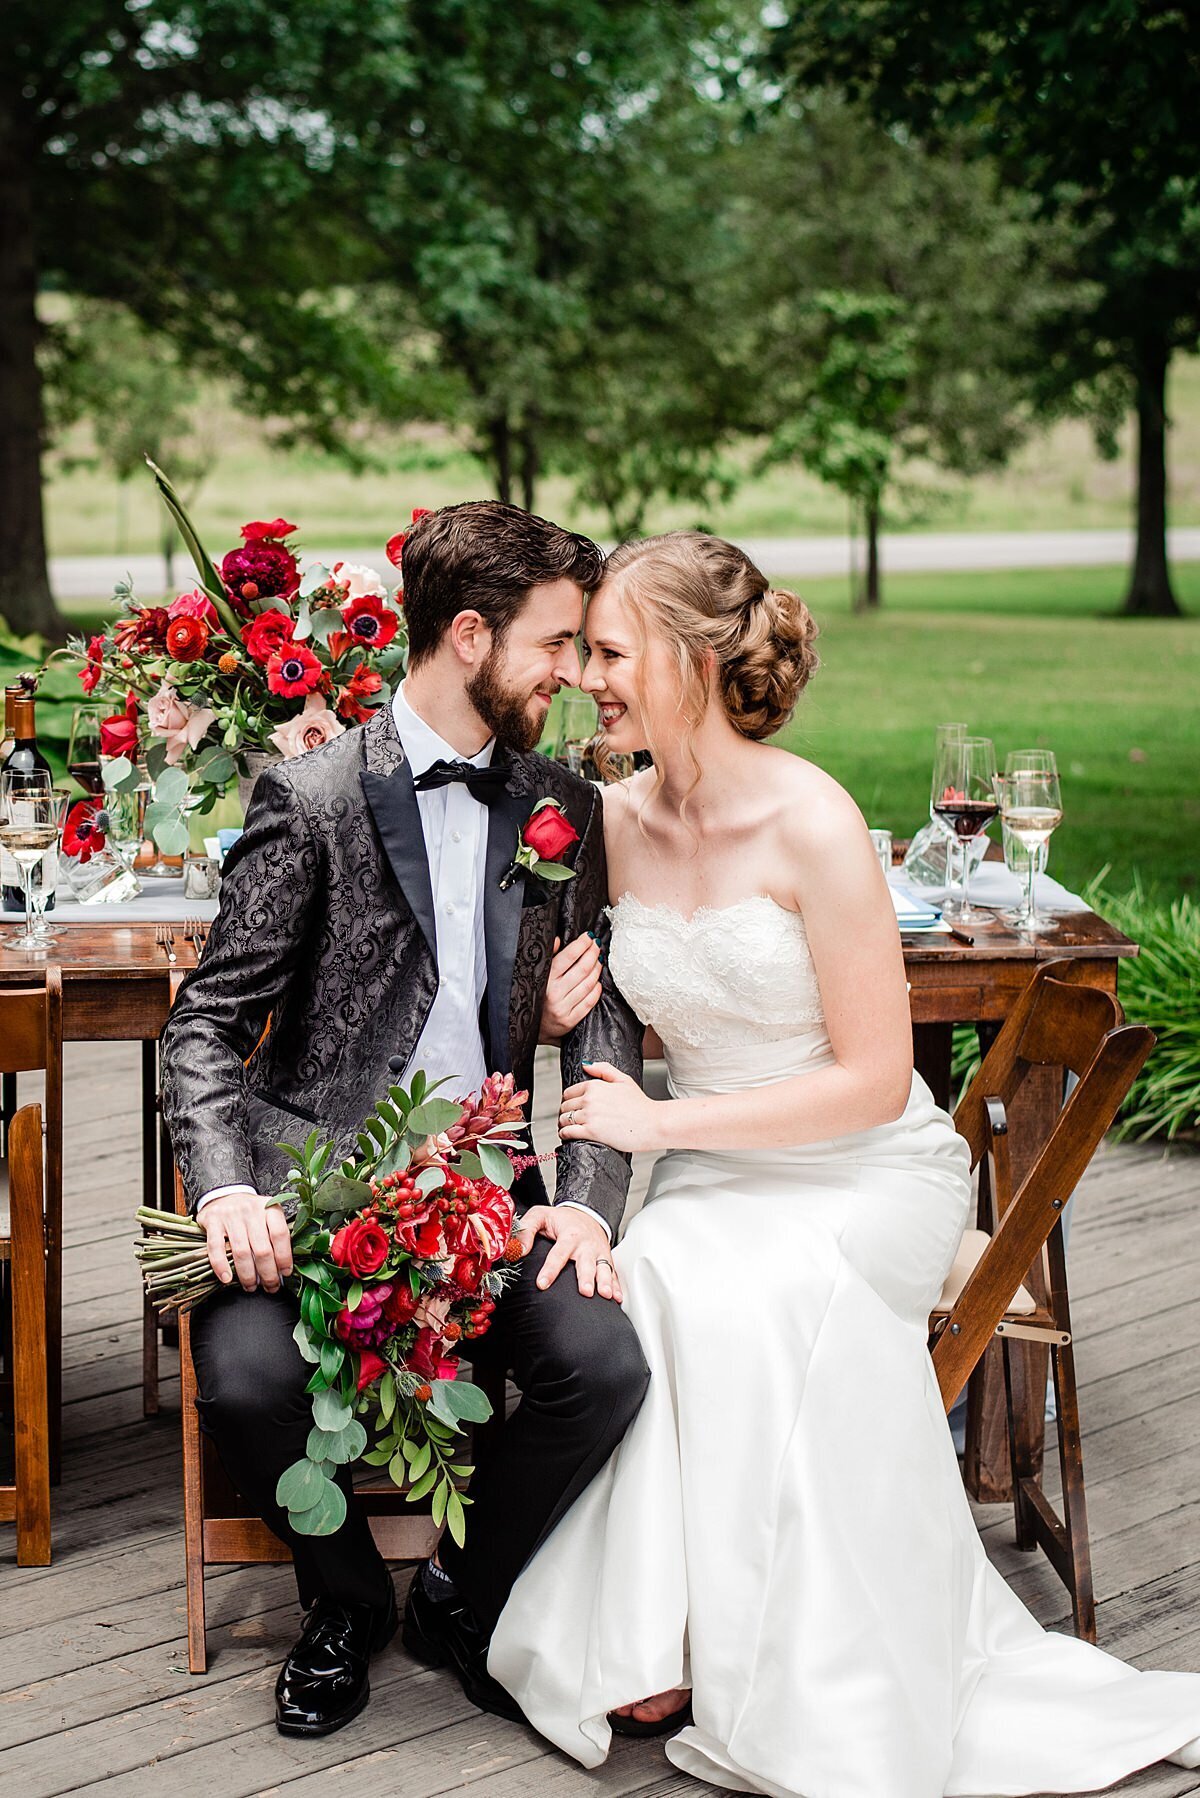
<point>705,911</point>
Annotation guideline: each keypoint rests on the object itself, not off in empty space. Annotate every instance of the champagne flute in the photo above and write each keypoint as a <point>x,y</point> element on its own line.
<point>83,751</point>
<point>31,814</point>
<point>1031,810</point>
<point>965,800</point>
<point>580,722</point>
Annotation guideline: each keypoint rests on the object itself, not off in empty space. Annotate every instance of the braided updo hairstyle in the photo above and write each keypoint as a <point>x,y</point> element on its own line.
<point>706,598</point>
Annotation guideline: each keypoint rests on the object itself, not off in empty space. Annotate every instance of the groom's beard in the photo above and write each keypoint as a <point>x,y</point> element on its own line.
<point>510,716</point>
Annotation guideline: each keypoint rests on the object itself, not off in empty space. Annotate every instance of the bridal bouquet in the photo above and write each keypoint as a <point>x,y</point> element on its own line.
<point>398,1255</point>
<point>259,656</point>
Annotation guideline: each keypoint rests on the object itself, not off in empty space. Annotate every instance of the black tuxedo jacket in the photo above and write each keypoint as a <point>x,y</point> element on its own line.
<point>326,927</point>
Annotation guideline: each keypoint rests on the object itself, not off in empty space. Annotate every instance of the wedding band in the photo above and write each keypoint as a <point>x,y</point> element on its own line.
<point>603,1261</point>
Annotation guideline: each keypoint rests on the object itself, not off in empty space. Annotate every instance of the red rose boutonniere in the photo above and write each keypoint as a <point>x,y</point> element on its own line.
<point>547,835</point>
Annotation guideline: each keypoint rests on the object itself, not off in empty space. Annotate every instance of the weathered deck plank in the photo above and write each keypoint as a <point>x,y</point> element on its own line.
<point>94,1694</point>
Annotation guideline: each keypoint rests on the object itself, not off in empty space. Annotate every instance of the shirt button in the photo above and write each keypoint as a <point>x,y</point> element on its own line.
<point>456,836</point>
<point>449,911</point>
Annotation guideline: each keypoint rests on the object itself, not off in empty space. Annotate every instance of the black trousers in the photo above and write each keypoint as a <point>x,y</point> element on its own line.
<point>582,1377</point>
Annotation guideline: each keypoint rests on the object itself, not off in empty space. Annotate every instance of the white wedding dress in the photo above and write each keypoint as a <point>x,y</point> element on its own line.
<point>784,1528</point>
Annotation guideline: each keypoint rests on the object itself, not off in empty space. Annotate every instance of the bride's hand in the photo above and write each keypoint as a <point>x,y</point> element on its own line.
<point>572,989</point>
<point>609,1108</point>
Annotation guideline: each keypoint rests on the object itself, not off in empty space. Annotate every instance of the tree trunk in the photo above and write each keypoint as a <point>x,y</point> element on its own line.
<point>25,597</point>
<point>1150,594</point>
<point>530,464</point>
<point>871,588</point>
<point>500,438</point>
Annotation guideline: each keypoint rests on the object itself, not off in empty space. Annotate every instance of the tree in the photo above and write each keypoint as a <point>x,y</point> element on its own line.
<point>167,154</point>
<point>894,293</point>
<point>1090,107</point>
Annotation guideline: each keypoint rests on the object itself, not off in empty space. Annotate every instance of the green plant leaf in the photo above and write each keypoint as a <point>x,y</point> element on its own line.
<point>418,1462</point>
<point>438,1508</point>
<point>339,1446</point>
<point>456,1521</point>
<point>553,871</point>
<point>469,1165</point>
<point>326,1517</point>
<point>337,1193</point>
<point>396,1159</point>
<point>304,1342</point>
<point>387,1395</point>
<point>299,1486</point>
<point>354,1296</point>
<point>433,1116</point>
<point>496,1164</point>
<point>429,1180</point>
<point>329,1413</point>
<point>171,787</point>
<point>333,1359</point>
<point>172,836</point>
<point>422,1486</point>
<point>460,1400</point>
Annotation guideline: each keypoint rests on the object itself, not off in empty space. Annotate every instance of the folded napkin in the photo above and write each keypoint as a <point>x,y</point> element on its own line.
<point>913,913</point>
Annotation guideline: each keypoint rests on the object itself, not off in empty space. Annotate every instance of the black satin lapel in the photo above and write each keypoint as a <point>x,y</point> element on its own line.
<point>502,917</point>
<point>393,802</point>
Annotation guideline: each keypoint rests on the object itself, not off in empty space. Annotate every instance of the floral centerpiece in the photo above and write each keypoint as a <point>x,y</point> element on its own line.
<point>398,1255</point>
<point>262,656</point>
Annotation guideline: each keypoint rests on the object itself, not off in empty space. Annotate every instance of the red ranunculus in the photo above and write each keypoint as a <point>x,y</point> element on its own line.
<point>80,837</point>
<point>468,1272</point>
<point>195,605</point>
<point>119,734</point>
<point>370,620</point>
<point>362,683</point>
<point>370,1366</point>
<point>187,639</point>
<point>274,532</point>
<point>89,674</point>
<point>266,634</point>
<point>293,671</point>
<point>549,832</point>
<point>361,1246</point>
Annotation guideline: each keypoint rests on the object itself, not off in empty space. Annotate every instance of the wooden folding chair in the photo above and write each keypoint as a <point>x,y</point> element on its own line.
<point>216,1530</point>
<point>1017,1254</point>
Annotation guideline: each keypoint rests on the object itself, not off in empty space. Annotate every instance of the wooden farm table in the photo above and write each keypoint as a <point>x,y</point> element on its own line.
<point>116,988</point>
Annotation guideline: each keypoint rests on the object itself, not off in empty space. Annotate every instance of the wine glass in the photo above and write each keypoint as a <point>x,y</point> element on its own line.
<point>964,799</point>
<point>83,751</point>
<point>31,815</point>
<point>1030,810</point>
<point>579,722</point>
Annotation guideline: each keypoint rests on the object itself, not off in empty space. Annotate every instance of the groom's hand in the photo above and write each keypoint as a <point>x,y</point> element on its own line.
<point>574,1236</point>
<point>248,1229</point>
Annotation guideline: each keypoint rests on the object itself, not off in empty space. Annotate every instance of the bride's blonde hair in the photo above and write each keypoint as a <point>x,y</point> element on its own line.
<point>710,604</point>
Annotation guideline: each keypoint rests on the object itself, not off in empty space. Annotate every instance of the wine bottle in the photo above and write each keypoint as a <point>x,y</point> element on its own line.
<point>23,757</point>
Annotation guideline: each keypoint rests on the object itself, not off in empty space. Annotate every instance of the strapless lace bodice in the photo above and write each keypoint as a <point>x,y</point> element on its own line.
<point>725,977</point>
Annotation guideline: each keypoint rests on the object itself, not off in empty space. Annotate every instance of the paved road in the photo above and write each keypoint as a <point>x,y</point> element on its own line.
<point>93,577</point>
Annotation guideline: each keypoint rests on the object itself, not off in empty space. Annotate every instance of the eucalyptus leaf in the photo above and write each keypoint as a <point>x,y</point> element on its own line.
<point>329,1413</point>
<point>299,1485</point>
<point>117,770</point>
<point>496,1164</point>
<point>338,1446</point>
<point>469,1165</point>
<point>172,836</point>
<point>434,1116</point>
<point>324,621</point>
<point>313,578</point>
<point>461,1400</point>
<point>429,1180</point>
<point>304,1342</point>
<point>325,1518</point>
<point>337,1193</point>
<point>396,1159</point>
<point>303,626</point>
<point>171,787</point>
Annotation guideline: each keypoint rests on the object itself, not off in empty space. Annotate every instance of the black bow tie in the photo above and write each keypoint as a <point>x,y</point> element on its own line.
<point>484,784</point>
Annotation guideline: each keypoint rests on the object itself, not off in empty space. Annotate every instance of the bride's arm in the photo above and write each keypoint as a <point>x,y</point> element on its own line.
<point>839,887</point>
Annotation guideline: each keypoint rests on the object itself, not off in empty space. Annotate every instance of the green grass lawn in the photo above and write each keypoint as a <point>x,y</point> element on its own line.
<point>1024,659</point>
<point>1029,659</point>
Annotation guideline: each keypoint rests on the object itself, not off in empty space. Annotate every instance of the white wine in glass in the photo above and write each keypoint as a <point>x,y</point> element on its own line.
<point>1031,810</point>
<point>31,813</point>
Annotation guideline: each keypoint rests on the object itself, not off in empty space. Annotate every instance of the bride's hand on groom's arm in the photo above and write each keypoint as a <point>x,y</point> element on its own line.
<point>573,988</point>
<point>609,1107</point>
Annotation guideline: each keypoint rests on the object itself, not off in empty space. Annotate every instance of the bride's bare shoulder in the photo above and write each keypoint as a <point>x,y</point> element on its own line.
<point>622,802</point>
<point>815,812</point>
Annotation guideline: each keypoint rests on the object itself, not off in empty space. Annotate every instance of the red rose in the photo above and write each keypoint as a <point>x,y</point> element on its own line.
<point>119,734</point>
<point>360,1246</point>
<point>195,605</point>
<point>89,675</point>
<point>293,671</point>
<point>267,633</point>
<point>370,1366</point>
<point>275,532</point>
<point>370,621</point>
<point>549,832</point>
<point>187,639</point>
<point>361,685</point>
<point>80,837</point>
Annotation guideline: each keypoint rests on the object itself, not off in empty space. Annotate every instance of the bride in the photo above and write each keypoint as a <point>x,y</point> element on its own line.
<point>778,1566</point>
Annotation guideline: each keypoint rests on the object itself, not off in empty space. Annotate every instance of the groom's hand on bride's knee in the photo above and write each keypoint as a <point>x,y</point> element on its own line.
<point>573,1236</point>
<point>250,1231</point>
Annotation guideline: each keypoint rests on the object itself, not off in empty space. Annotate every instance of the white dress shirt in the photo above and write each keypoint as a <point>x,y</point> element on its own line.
<point>455,826</point>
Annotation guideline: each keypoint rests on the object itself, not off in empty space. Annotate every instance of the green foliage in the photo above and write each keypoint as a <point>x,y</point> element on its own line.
<point>1161,988</point>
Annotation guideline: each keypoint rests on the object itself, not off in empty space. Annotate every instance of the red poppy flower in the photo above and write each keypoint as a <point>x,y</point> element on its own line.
<point>89,674</point>
<point>265,635</point>
<point>293,671</point>
<point>119,734</point>
<point>80,837</point>
<point>370,621</point>
<point>187,638</point>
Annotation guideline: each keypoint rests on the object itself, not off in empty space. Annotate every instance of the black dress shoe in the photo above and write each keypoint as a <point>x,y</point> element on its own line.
<point>445,1634</point>
<point>323,1683</point>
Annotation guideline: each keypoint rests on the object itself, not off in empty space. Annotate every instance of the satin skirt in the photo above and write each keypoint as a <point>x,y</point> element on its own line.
<point>784,1528</point>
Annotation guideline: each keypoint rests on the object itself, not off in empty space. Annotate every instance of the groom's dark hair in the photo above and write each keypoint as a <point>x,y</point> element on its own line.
<point>484,557</point>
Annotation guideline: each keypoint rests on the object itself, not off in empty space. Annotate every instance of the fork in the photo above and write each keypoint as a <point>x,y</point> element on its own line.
<point>193,930</point>
<point>164,936</point>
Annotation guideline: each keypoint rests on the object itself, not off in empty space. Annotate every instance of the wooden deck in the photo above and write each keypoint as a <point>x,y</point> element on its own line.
<point>94,1688</point>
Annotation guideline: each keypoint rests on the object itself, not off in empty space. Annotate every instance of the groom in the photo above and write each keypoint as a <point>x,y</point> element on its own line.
<point>365,917</point>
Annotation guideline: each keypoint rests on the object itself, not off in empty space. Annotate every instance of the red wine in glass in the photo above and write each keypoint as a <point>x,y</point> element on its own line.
<point>89,776</point>
<point>966,817</point>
